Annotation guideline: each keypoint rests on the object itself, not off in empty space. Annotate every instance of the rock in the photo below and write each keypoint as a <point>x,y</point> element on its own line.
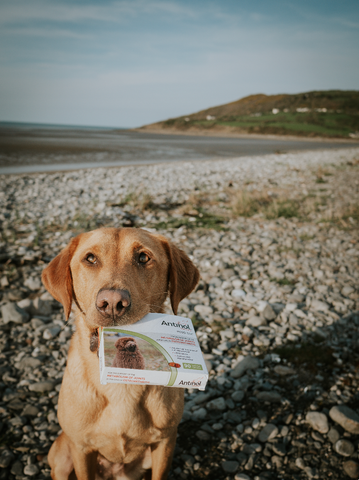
<point>269,432</point>
<point>319,306</point>
<point>268,313</point>
<point>344,448</point>
<point>203,309</point>
<point>199,414</point>
<point>346,291</point>
<point>230,466</point>
<point>16,468</point>
<point>33,283</point>
<point>51,333</point>
<point>31,470</point>
<point>282,370</point>
<point>299,462</point>
<point>279,449</point>
<point>42,386</point>
<point>272,397</point>
<point>247,363</point>
<point>12,313</point>
<point>256,321</point>
<point>217,404</point>
<point>241,476</point>
<point>238,293</point>
<point>41,307</point>
<point>346,417</point>
<point>318,421</point>
<point>29,362</point>
<point>6,457</point>
<point>30,411</point>
<point>351,468</point>
<point>202,435</point>
<point>237,396</point>
<point>333,435</point>
<point>25,304</point>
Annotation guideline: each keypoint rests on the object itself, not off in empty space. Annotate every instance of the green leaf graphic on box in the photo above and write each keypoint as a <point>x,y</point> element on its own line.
<point>192,366</point>
<point>159,347</point>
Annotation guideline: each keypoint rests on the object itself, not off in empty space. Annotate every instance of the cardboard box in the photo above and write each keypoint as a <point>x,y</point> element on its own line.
<point>158,350</point>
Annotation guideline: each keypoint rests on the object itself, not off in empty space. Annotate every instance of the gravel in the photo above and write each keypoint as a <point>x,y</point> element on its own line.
<point>276,311</point>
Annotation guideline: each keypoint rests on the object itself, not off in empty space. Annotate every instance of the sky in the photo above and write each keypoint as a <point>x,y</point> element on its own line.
<point>126,63</point>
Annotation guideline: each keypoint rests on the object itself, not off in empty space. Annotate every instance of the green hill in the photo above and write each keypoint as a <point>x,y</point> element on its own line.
<point>332,113</point>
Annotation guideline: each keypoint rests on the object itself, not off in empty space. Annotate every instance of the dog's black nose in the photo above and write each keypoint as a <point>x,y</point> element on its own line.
<point>112,303</point>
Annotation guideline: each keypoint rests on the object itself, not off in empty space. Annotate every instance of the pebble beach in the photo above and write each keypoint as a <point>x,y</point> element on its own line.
<point>275,238</point>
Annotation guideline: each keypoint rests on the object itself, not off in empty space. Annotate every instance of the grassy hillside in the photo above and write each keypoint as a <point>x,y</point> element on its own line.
<point>332,113</point>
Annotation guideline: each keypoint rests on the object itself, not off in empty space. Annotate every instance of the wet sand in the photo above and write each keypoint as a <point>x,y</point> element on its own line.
<point>39,148</point>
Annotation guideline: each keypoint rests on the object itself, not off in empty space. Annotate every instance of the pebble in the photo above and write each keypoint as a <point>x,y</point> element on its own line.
<point>351,468</point>
<point>42,387</point>
<point>31,470</point>
<point>344,448</point>
<point>269,397</point>
<point>12,313</point>
<point>247,363</point>
<point>346,417</point>
<point>282,370</point>
<point>318,421</point>
<point>268,432</point>
<point>241,476</point>
<point>230,466</point>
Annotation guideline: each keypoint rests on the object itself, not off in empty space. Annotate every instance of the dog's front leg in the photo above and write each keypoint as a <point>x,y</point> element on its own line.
<point>84,463</point>
<point>162,454</point>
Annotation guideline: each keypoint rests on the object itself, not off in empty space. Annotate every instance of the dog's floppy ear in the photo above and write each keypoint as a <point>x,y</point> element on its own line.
<point>57,276</point>
<point>183,275</point>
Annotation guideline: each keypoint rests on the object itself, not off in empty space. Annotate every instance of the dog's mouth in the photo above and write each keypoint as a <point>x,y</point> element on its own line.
<point>131,347</point>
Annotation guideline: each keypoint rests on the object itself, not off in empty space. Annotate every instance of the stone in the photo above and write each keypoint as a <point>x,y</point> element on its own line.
<point>333,435</point>
<point>31,470</point>
<point>268,313</point>
<point>42,386</point>
<point>41,307</point>
<point>256,321</point>
<point>13,313</point>
<point>199,414</point>
<point>272,397</point>
<point>50,333</point>
<point>33,283</point>
<point>237,396</point>
<point>346,291</point>
<point>247,363</point>
<point>16,468</point>
<point>241,476</point>
<point>238,293</point>
<point>202,435</point>
<point>299,462</point>
<point>269,432</point>
<point>346,417</point>
<point>318,421</point>
<point>29,362</point>
<point>279,449</point>
<point>282,370</point>
<point>351,468</point>
<point>203,309</point>
<point>319,306</point>
<point>230,466</point>
<point>217,404</point>
<point>6,457</point>
<point>344,448</point>
<point>30,411</point>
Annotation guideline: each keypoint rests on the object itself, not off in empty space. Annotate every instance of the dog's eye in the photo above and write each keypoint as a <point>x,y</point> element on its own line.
<point>91,258</point>
<point>143,258</point>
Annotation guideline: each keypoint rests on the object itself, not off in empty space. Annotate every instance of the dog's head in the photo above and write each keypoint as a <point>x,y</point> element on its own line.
<point>117,276</point>
<point>128,344</point>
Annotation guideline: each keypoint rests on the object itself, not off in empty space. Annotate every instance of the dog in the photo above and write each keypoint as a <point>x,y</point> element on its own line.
<point>115,277</point>
<point>128,354</point>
